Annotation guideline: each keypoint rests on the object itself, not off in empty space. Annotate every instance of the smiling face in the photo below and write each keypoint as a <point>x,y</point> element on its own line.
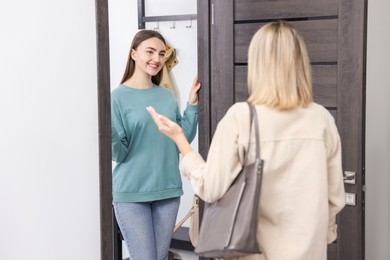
<point>149,56</point>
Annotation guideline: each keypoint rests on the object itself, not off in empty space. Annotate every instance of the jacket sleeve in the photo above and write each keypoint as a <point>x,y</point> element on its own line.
<point>336,193</point>
<point>189,121</point>
<point>211,179</point>
<point>119,140</point>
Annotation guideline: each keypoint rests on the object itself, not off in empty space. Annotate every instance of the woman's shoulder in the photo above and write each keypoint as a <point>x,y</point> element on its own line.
<point>117,89</point>
<point>238,108</point>
<point>117,92</point>
<point>321,110</point>
<point>242,108</point>
<point>236,113</point>
<point>163,90</point>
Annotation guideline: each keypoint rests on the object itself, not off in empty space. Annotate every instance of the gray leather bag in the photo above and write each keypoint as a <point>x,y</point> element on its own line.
<point>229,225</point>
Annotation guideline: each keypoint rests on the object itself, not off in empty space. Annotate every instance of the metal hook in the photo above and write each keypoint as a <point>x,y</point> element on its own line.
<point>157,27</point>
<point>173,25</point>
<point>190,25</point>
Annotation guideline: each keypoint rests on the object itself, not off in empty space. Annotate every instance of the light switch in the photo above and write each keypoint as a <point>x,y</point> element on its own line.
<point>350,199</point>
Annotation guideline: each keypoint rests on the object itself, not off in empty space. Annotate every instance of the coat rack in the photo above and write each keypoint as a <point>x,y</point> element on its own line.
<point>142,19</point>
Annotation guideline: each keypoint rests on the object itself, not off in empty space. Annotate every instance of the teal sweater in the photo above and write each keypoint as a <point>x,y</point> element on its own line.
<point>147,161</point>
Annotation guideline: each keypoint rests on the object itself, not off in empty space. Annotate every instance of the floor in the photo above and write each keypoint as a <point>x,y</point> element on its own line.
<point>184,255</point>
<point>179,254</point>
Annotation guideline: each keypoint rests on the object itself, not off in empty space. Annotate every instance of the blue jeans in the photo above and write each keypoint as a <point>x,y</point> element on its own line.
<point>147,227</point>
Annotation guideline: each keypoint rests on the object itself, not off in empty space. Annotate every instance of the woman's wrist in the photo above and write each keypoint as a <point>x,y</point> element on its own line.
<point>193,104</point>
<point>182,143</point>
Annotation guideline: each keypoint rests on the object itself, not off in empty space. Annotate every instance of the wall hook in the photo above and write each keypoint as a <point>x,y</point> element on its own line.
<point>189,25</point>
<point>173,25</point>
<point>157,27</point>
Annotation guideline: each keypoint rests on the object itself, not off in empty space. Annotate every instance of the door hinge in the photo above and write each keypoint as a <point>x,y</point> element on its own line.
<point>364,188</point>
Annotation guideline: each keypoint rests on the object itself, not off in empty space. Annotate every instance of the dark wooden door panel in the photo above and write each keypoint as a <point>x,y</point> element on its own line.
<point>320,36</point>
<point>282,9</point>
<point>241,87</point>
<point>351,121</point>
<point>222,59</point>
<point>332,251</point>
<point>204,129</point>
<point>324,84</point>
<point>334,31</point>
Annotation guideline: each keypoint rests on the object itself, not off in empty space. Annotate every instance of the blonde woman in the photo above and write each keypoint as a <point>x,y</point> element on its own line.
<point>302,187</point>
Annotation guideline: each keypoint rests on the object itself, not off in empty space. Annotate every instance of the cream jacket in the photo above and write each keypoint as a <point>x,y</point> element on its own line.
<point>302,188</point>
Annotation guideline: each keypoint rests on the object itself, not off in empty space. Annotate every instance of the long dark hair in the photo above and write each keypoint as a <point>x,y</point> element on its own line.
<point>141,36</point>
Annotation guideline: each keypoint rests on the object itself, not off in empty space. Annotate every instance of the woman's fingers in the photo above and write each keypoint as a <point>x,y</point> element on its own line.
<point>197,87</point>
<point>166,126</point>
<point>158,119</point>
<point>193,98</point>
<point>153,113</point>
<point>195,80</point>
<point>196,84</point>
<point>163,123</point>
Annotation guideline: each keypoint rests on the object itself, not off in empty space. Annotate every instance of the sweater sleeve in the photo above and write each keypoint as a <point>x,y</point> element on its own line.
<point>189,121</point>
<point>119,142</point>
<point>210,180</point>
<point>336,193</point>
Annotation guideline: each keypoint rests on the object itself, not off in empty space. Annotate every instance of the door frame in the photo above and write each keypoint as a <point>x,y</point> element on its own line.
<point>110,237</point>
<point>104,121</point>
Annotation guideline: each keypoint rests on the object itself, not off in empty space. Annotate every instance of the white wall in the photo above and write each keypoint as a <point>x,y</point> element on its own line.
<point>48,136</point>
<point>378,132</point>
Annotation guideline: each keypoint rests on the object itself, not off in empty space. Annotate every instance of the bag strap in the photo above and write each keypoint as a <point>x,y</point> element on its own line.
<point>189,214</point>
<point>253,117</point>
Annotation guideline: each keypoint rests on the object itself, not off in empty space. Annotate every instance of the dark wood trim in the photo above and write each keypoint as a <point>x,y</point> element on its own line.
<point>203,10</point>
<point>320,37</point>
<point>247,10</point>
<point>351,108</point>
<point>142,19</point>
<point>117,243</point>
<point>332,251</point>
<point>169,18</point>
<point>141,14</point>
<point>204,127</point>
<point>181,240</point>
<point>222,58</point>
<point>110,237</point>
<point>104,119</point>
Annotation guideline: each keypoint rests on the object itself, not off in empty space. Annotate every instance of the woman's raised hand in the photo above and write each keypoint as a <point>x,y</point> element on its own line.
<point>170,129</point>
<point>193,98</point>
<point>164,124</point>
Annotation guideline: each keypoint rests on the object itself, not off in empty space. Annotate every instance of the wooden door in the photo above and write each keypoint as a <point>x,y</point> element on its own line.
<point>335,34</point>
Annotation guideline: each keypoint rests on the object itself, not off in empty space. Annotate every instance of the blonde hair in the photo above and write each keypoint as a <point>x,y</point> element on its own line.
<point>279,72</point>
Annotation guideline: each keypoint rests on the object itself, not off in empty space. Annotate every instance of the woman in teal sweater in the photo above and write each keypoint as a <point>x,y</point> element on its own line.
<point>146,180</point>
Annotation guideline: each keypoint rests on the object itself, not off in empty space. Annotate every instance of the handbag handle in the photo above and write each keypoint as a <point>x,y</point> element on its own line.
<point>253,117</point>
<point>191,212</point>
